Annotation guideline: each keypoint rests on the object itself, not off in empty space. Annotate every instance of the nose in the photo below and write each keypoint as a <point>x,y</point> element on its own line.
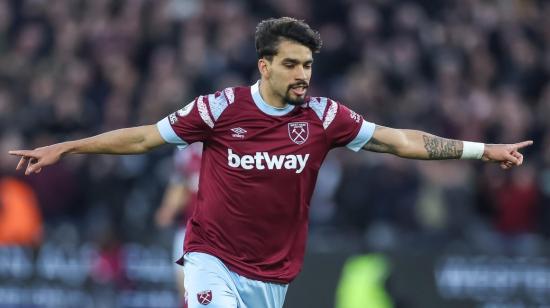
<point>300,73</point>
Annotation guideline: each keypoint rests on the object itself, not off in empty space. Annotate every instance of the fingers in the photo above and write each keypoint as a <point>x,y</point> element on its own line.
<point>25,153</point>
<point>523,144</point>
<point>512,159</point>
<point>505,165</point>
<point>519,156</point>
<point>26,157</point>
<point>36,168</point>
<point>515,159</point>
<point>29,167</point>
<point>22,161</point>
<point>31,158</point>
<point>33,166</point>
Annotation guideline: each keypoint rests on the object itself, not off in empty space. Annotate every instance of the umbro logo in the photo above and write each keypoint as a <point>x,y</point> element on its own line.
<point>238,132</point>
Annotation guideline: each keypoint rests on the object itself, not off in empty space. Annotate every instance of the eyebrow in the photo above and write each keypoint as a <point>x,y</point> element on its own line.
<point>296,61</point>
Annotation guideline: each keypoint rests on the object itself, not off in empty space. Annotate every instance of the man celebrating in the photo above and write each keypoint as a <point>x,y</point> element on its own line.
<point>263,146</point>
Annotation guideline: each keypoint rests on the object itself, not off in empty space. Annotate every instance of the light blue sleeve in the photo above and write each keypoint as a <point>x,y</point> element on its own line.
<point>364,135</point>
<point>168,134</point>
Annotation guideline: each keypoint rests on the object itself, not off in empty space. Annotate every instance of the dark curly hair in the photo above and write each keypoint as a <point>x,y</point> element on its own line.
<point>271,31</point>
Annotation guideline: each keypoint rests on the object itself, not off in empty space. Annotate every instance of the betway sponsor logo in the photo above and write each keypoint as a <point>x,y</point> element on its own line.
<point>262,160</point>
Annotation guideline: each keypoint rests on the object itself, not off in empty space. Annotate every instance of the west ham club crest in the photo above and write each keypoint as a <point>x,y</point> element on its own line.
<point>205,297</point>
<point>298,132</point>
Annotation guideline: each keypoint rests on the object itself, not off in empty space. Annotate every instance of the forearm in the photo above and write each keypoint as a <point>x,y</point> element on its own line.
<point>413,144</point>
<point>133,140</point>
<point>422,145</point>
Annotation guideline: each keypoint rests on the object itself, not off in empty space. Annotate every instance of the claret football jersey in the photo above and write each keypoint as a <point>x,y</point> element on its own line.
<point>258,171</point>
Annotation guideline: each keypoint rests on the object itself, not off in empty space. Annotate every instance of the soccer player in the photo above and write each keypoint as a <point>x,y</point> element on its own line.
<point>263,146</point>
<point>180,197</point>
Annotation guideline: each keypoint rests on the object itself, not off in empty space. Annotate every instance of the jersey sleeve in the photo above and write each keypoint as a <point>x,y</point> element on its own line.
<point>345,127</point>
<point>195,122</point>
<point>190,124</point>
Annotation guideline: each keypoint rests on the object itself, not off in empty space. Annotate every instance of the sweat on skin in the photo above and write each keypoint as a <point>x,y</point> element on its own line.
<point>262,160</point>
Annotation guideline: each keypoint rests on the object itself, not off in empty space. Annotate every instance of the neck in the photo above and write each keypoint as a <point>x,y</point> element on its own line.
<point>269,97</point>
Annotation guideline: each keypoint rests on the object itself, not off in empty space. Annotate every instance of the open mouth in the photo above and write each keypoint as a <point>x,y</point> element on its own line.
<point>299,90</point>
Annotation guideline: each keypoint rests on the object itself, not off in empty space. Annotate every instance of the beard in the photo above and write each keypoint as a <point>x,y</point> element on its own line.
<point>296,100</point>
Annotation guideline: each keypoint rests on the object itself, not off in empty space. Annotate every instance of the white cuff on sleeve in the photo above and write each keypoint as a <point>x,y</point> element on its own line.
<point>168,134</point>
<point>364,135</point>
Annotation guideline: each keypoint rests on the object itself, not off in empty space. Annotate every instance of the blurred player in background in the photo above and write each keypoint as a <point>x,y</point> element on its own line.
<point>20,216</point>
<point>263,147</point>
<point>179,201</point>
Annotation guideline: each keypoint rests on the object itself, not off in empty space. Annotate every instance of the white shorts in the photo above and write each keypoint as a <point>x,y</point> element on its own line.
<point>209,283</point>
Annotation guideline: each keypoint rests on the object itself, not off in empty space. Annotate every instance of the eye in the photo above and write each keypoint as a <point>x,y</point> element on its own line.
<point>288,65</point>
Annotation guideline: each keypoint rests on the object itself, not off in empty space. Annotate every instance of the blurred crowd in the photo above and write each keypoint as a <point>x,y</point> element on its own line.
<point>472,70</point>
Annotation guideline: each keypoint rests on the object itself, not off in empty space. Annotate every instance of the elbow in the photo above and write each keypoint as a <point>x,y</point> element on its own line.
<point>143,148</point>
<point>149,139</point>
<point>146,146</point>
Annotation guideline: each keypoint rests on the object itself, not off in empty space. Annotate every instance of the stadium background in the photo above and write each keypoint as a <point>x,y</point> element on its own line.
<point>424,234</point>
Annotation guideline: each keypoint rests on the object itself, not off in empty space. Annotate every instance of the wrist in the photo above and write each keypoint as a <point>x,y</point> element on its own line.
<point>472,150</point>
<point>68,147</point>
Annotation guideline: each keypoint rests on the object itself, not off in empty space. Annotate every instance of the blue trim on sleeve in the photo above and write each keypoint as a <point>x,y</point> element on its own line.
<point>363,136</point>
<point>168,134</point>
<point>318,104</point>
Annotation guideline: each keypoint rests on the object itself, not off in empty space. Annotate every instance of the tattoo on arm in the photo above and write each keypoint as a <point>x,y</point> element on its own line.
<point>441,148</point>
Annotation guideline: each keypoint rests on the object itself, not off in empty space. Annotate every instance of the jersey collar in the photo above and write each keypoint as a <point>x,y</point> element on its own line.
<point>265,107</point>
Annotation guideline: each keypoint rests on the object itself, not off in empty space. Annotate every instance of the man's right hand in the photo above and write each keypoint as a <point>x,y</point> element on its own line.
<point>38,158</point>
<point>132,140</point>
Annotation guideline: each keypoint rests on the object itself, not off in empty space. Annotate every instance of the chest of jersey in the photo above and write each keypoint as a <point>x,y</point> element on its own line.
<point>252,141</point>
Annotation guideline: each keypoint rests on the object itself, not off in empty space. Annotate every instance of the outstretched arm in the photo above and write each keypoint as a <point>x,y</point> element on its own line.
<point>421,145</point>
<point>133,140</point>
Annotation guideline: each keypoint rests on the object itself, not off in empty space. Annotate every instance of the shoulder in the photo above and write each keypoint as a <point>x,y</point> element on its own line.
<point>212,106</point>
<point>219,101</point>
<point>325,109</point>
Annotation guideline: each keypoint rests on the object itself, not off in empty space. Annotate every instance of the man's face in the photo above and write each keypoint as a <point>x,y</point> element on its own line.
<point>290,71</point>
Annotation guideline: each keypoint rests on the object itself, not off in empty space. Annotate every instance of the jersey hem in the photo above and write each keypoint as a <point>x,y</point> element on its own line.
<point>237,269</point>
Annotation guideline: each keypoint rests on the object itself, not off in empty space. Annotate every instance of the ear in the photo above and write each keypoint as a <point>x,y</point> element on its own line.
<point>264,67</point>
